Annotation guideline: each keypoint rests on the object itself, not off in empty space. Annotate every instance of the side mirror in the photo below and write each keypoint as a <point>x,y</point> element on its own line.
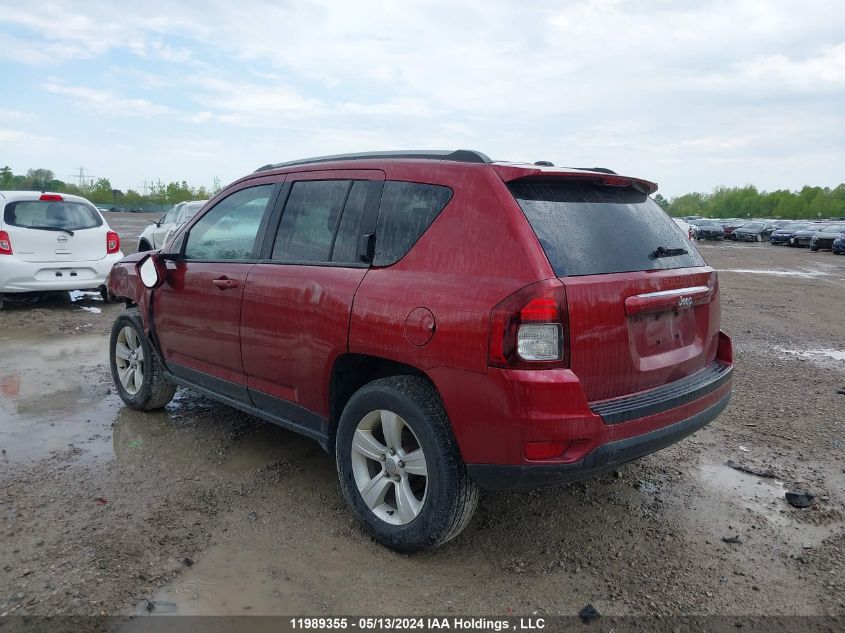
<point>151,271</point>
<point>176,248</point>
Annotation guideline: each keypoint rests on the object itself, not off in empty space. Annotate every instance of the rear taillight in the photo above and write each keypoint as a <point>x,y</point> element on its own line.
<point>112,242</point>
<point>528,330</point>
<point>5,244</point>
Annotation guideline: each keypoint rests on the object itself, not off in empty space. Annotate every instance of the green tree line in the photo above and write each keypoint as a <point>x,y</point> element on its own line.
<point>101,192</point>
<point>744,202</point>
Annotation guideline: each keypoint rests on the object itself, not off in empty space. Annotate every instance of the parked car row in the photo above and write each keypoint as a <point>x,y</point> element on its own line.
<point>817,235</point>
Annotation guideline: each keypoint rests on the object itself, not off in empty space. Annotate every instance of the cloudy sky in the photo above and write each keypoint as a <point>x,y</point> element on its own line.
<point>692,94</point>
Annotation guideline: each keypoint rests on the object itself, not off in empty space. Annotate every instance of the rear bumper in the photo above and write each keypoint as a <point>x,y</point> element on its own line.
<point>603,458</point>
<point>20,276</point>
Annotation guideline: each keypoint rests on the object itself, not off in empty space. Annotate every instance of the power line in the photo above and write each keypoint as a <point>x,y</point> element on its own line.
<point>82,179</point>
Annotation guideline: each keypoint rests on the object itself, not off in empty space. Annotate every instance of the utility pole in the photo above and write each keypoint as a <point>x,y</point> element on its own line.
<point>82,178</point>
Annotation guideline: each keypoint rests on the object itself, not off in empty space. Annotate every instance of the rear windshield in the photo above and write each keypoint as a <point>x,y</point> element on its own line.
<point>37,214</point>
<point>590,229</point>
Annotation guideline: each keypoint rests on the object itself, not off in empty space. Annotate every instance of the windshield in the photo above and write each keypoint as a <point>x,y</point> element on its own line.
<point>189,210</point>
<point>591,229</point>
<point>752,226</point>
<point>64,215</point>
<point>833,228</point>
<point>795,226</point>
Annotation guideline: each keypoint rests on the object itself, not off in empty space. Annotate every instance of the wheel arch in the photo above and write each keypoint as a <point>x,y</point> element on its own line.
<point>350,372</point>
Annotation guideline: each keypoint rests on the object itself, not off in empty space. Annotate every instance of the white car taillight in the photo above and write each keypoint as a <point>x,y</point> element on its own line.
<point>539,341</point>
<point>112,242</point>
<point>5,244</point>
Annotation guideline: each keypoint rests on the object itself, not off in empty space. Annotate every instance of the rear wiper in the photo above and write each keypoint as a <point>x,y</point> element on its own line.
<point>52,228</point>
<point>662,251</point>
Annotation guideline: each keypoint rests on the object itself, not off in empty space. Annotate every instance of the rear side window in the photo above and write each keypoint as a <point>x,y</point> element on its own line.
<point>346,242</point>
<point>37,214</point>
<point>591,229</point>
<point>309,220</point>
<point>407,210</point>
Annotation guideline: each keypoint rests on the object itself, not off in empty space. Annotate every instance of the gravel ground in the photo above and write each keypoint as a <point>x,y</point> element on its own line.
<point>200,509</point>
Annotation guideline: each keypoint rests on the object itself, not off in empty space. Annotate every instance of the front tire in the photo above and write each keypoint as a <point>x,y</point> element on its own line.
<point>399,466</point>
<point>136,369</point>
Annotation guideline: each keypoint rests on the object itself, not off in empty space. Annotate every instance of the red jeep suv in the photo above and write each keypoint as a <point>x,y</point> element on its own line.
<point>438,321</point>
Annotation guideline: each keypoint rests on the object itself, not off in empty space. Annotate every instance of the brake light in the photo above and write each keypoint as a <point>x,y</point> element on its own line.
<point>51,197</point>
<point>621,181</point>
<point>5,244</point>
<point>529,328</point>
<point>112,242</point>
<point>617,181</point>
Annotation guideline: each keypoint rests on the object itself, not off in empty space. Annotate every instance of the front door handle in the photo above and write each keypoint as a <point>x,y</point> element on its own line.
<point>224,282</point>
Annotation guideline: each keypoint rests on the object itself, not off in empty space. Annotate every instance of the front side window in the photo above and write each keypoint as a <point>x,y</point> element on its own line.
<point>229,230</point>
<point>309,220</point>
<point>64,215</point>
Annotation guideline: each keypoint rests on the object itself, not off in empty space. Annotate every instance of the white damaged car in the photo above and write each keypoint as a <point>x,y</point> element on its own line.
<point>156,235</point>
<point>52,241</point>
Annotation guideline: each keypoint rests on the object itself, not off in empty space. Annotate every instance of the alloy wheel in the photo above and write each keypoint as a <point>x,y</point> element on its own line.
<point>389,467</point>
<point>129,360</point>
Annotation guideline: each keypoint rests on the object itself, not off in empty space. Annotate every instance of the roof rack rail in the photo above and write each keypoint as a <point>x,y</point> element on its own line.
<point>458,156</point>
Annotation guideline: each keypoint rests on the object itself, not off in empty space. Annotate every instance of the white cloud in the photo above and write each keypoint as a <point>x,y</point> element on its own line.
<point>13,115</point>
<point>106,101</point>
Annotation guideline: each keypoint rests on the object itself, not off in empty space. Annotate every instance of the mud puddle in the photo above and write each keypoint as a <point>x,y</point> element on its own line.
<point>233,580</point>
<point>740,497</point>
<point>54,395</point>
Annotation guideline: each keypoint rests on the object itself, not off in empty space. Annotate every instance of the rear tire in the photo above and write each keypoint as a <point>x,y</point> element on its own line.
<point>1,301</point>
<point>106,295</point>
<point>136,368</point>
<point>383,425</point>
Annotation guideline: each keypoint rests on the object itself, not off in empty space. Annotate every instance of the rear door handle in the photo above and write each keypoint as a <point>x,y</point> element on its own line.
<point>224,282</point>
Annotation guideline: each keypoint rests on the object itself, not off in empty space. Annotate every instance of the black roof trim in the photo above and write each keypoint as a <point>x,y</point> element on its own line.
<point>458,156</point>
